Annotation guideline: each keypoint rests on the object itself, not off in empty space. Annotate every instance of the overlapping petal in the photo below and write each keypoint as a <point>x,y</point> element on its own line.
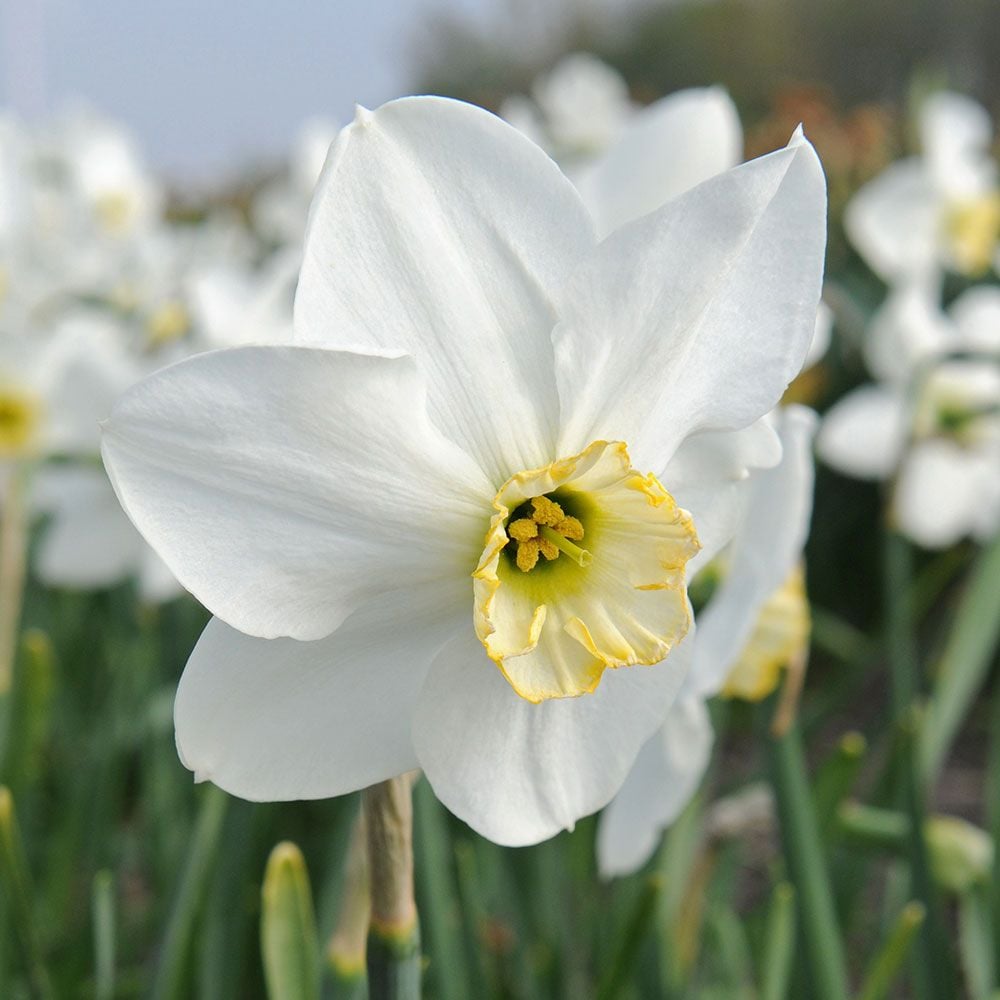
<point>762,555</point>
<point>277,719</point>
<point>697,316</point>
<point>663,151</point>
<point>895,221</point>
<point>516,772</point>
<point>665,775</point>
<point>440,231</point>
<point>863,434</point>
<point>286,486</point>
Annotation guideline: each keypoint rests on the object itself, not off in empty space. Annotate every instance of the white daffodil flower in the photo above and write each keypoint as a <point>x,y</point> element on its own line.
<point>754,623</point>
<point>933,421</point>
<point>432,529</point>
<point>54,389</point>
<point>939,209</point>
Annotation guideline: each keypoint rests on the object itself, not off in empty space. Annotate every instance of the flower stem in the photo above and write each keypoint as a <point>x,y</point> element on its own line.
<point>933,972</point>
<point>394,932</point>
<point>807,866</point>
<point>346,951</point>
<point>13,546</point>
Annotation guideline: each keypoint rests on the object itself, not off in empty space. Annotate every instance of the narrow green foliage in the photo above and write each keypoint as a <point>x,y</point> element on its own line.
<point>964,663</point>
<point>289,943</point>
<point>632,934</point>
<point>439,903</point>
<point>975,944</point>
<point>779,944</point>
<point>173,971</point>
<point>394,971</point>
<point>888,962</point>
<point>807,865</point>
<point>31,704</point>
<point>935,975</point>
<point>16,884</point>
<point>835,779</point>
<point>103,914</point>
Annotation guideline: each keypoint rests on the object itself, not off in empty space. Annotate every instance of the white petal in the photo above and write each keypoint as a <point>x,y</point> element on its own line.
<point>286,486</point>
<point>956,134</point>
<point>863,434</point>
<point>894,220</point>
<point>822,334</point>
<point>763,553</point>
<point>908,328</point>
<point>663,151</point>
<point>976,313</point>
<point>276,719</point>
<point>519,773</point>
<point>665,775</point>
<point>88,542</point>
<point>439,230</point>
<point>941,491</point>
<point>697,316</point>
<point>86,369</point>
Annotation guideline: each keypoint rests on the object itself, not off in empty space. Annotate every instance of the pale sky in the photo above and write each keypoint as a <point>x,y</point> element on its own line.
<point>209,84</point>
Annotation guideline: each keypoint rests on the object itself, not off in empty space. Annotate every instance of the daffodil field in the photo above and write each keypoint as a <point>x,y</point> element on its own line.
<point>540,542</point>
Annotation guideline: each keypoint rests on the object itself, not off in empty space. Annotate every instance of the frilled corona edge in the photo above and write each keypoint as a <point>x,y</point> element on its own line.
<point>615,596</point>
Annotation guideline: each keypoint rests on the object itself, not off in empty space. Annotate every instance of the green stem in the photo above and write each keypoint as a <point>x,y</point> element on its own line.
<point>807,866</point>
<point>171,973</point>
<point>13,555</point>
<point>345,953</point>
<point>934,976</point>
<point>964,663</point>
<point>393,956</point>
<point>17,887</point>
<point>887,963</point>
<point>779,944</point>
<point>632,936</point>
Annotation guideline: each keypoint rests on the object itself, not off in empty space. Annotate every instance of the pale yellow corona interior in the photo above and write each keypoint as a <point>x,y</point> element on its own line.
<point>583,569</point>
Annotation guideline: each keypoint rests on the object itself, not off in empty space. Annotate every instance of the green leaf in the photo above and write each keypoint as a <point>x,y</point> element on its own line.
<point>964,663</point>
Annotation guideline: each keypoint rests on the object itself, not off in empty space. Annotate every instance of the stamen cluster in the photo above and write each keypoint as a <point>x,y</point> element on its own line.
<point>533,535</point>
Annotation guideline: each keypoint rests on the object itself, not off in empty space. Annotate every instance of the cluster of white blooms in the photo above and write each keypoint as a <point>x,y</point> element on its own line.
<point>99,286</point>
<point>930,424</point>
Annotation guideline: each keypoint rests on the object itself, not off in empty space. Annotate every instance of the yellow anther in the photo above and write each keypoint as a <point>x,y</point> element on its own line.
<point>527,555</point>
<point>522,529</point>
<point>548,549</point>
<point>571,528</point>
<point>547,511</point>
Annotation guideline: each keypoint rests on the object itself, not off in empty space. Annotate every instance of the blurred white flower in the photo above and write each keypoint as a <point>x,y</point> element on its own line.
<point>939,209</point>
<point>755,622</point>
<point>331,505</point>
<point>933,421</point>
<point>647,156</point>
<point>281,206</point>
